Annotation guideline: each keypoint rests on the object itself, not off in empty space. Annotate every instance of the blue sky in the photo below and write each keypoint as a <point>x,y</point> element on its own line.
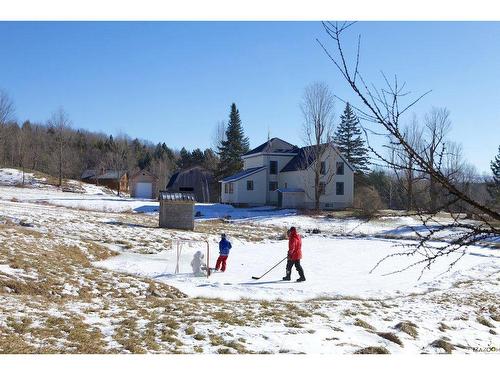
<point>173,81</point>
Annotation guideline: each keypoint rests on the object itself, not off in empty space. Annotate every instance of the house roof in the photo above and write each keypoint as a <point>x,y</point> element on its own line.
<point>111,175</point>
<point>242,174</point>
<point>274,145</point>
<point>143,171</point>
<point>291,190</point>
<point>88,173</point>
<point>306,157</point>
<point>301,161</point>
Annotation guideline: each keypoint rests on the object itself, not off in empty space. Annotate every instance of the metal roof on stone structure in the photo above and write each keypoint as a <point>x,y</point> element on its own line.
<point>179,197</point>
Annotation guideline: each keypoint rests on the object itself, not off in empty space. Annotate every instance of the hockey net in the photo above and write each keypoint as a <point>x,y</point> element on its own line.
<point>187,254</point>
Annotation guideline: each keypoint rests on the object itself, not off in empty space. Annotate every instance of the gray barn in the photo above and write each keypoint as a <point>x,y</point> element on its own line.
<point>197,181</point>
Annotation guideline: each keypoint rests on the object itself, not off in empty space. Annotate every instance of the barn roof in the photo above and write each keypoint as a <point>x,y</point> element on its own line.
<point>242,174</point>
<point>196,170</point>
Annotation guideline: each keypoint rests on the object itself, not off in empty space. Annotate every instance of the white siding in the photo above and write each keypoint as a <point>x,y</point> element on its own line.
<point>304,179</point>
<point>253,161</point>
<point>240,193</point>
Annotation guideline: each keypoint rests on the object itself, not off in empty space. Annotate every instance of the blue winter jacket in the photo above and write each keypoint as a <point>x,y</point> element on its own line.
<point>224,247</point>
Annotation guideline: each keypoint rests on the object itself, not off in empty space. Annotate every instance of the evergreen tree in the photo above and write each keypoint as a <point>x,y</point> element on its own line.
<point>197,157</point>
<point>494,186</point>
<point>234,146</point>
<point>349,141</point>
<point>184,159</point>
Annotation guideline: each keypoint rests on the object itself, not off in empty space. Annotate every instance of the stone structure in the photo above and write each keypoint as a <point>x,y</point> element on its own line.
<point>176,210</point>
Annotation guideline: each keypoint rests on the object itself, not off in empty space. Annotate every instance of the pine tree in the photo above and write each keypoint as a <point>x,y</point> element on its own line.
<point>184,159</point>
<point>349,141</point>
<point>235,145</point>
<point>494,186</point>
<point>495,168</point>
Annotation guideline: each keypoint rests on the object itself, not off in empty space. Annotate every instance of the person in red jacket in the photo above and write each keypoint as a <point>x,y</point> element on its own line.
<point>294,255</point>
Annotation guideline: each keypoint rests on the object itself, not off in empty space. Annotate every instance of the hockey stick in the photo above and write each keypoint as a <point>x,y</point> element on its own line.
<point>276,265</point>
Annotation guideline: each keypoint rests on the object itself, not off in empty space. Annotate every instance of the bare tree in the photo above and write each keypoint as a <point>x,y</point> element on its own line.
<point>219,135</point>
<point>407,176</point>
<point>6,108</point>
<point>60,123</point>
<point>384,108</point>
<point>437,126</point>
<point>317,108</point>
<point>6,114</point>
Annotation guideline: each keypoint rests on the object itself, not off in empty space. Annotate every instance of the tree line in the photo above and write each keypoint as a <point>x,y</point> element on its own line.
<point>56,148</point>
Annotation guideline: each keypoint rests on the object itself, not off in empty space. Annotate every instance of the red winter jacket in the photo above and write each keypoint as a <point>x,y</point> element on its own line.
<point>294,246</point>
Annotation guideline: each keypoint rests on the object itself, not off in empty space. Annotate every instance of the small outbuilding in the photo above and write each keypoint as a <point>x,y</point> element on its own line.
<point>143,184</point>
<point>290,198</point>
<point>176,210</point>
<point>113,179</point>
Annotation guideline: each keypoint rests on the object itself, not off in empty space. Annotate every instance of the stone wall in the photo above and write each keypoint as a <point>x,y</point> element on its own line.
<point>177,214</point>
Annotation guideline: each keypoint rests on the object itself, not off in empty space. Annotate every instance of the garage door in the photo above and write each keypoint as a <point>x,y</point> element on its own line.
<point>144,190</point>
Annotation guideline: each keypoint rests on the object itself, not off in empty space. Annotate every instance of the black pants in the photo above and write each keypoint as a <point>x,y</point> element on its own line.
<point>298,267</point>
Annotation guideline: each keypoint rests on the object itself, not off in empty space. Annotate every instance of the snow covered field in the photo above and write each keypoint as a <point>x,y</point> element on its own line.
<point>93,262</point>
<point>334,268</point>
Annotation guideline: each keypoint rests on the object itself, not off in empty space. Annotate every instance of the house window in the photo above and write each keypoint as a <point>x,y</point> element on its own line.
<point>340,167</point>
<point>228,188</point>
<point>322,169</point>
<point>249,184</point>
<point>339,188</point>
<point>286,185</point>
<point>273,167</point>
<point>273,185</point>
<point>322,186</point>
<point>186,189</point>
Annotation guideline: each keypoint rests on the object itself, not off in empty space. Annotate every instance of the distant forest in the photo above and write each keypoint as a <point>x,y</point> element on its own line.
<point>57,149</point>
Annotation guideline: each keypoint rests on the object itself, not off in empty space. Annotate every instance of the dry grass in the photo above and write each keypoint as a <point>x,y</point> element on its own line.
<point>408,327</point>
<point>372,350</point>
<point>443,327</point>
<point>443,344</point>
<point>391,337</point>
<point>485,322</point>
<point>363,324</point>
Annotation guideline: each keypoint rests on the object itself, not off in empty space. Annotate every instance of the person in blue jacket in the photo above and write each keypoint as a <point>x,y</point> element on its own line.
<point>224,247</point>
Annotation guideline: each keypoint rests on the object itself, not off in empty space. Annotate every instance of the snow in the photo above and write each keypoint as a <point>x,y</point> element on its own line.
<point>337,263</point>
<point>13,177</point>
<point>334,267</point>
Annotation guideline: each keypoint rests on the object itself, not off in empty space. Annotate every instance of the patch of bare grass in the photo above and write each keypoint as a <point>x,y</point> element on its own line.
<point>372,350</point>
<point>443,344</point>
<point>408,327</point>
<point>485,322</point>
<point>391,337</point>
<point>361,323</point>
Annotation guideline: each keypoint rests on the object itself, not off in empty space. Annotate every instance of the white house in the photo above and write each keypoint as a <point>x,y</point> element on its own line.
<point>279,173</point>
